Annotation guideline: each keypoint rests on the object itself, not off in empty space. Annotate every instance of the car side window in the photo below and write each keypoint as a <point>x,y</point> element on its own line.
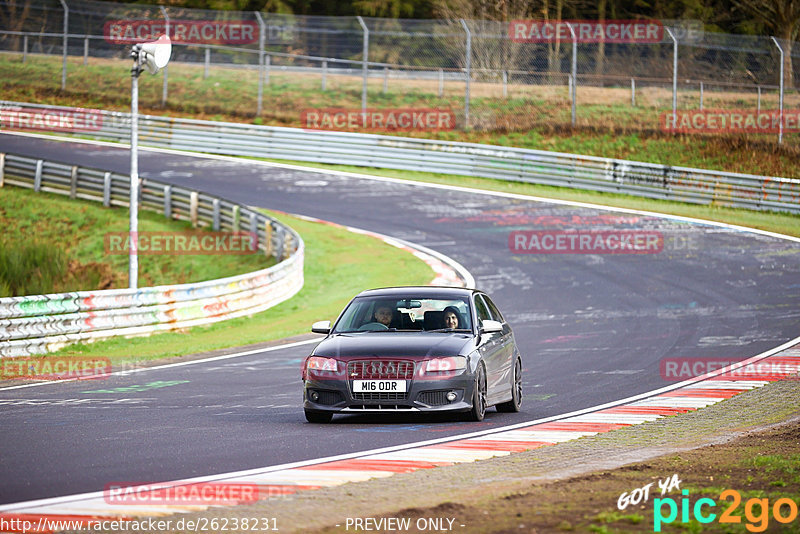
<point>496,315</point>
<point>481,309</point>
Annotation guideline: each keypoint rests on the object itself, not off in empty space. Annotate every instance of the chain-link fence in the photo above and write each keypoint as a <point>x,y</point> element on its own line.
<point>275,67</point>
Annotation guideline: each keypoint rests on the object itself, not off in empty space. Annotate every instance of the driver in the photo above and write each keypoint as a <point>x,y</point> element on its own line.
<point>451,319</point>
<point>383,314</point>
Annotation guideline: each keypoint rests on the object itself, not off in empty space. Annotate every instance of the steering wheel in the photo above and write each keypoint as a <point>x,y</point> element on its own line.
<point>375,326</point>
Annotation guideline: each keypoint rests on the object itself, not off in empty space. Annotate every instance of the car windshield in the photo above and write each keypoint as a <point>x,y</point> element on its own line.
<point>392,314</point>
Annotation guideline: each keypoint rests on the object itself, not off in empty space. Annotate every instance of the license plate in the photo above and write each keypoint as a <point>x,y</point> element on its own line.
<point>379,386</point>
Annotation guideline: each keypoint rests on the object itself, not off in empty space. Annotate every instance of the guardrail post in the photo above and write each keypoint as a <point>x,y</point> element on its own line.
<point>2,169</point>
<point>215,215</point>
<point>505,84</point>
<point>64,46</point>
<point>107,189</point>
<point>236,216</point>
<point>364,68</point>
<point>674,77</point>
<point>385,79</point>
<point>73,182</point>
<point>633,93</point>
<point>780,101</point>
<point>25,48</point>
<point>468,67</point>
<point>279,253</point>
<point>324,74</point>
<point>193,208</point>
<point>206,62</point>
<point>254,229</point>
<point>441,83</point>
<point>165,70</point>
<point>261,37</point>
<point>168,201</point>
<point>268,237</point>
<point>85,50</point>
<point>37,178</point>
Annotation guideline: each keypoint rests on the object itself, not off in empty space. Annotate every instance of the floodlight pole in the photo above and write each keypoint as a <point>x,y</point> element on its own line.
<point>133,230</point>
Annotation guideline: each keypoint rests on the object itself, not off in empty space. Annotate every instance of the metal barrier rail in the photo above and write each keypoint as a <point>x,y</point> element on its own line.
<point>504,163</point>
<point>42,323</point>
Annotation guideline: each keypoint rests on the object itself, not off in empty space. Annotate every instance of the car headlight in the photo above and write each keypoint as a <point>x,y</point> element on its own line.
<point>448,363</point>
<point>318,363</point>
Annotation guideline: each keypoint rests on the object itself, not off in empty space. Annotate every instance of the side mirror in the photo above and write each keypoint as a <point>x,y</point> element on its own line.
<point>490,327</point>
<point>321,327</point>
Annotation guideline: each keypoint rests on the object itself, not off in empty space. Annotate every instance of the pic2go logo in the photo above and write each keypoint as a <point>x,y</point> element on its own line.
<point>756,511</point>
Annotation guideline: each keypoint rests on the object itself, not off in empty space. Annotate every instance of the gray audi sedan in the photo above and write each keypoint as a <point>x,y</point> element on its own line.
<point>414,349</point>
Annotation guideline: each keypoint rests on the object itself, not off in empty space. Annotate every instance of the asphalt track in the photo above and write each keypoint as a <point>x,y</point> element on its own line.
<point>592,328</point>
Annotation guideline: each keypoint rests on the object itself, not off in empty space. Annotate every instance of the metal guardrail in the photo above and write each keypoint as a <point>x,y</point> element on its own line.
<point>42,323</point>
<point>503,163</point>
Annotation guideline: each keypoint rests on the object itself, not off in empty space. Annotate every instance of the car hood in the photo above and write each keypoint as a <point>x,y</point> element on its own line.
<point>430,344</point>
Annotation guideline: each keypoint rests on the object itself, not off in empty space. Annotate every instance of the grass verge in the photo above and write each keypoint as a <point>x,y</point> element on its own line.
<point>533,116</point>
<point>76,230</point>
<point>338,265</point>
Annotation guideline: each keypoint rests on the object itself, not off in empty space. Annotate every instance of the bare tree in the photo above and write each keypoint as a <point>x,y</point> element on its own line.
<point>783,18</point>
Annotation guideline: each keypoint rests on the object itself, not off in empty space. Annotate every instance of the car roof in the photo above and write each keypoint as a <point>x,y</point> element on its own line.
<point>418,291</point>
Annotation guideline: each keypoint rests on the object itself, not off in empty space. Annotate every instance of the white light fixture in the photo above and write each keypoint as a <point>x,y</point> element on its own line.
<point>154,56</point>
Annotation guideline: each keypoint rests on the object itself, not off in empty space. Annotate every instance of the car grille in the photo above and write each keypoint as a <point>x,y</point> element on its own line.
<point>379,396</point>
<point>434,398</point>
<point>380,370</point>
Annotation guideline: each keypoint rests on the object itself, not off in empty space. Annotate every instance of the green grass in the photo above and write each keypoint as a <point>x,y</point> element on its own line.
<point>338,265</point>
<point>76,229</point>
<point>531,117</point>
<point>773,222</point>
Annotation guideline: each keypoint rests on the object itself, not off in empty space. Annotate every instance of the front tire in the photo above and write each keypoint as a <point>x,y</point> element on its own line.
<point>516,391</point>
<point>318,417</point>
<point>478,410</point>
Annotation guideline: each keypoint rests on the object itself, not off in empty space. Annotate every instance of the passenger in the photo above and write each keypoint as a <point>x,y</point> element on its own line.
<point>451,318</point>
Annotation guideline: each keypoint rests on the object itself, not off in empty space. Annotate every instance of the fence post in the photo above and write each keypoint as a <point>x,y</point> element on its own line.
<point>267,65</point>
<point>25,48</point>
<point>780,101</point>
<point>206,62</point>
<point>364,68</point>
<point>633,93</point>
<point>674,77</point>
<point>574,71</point>
<point>324,74</point>
<point>385,79</point>
<point>261,37</point>
<point>165,69</point>
<point>505,84</point>
<point>64,46</point>
<point>86,50</point>
<point>441,83</point>
<point>758,104</point>
<point>467,68</point>
<point>268,237</point>
<point>701,96</point>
